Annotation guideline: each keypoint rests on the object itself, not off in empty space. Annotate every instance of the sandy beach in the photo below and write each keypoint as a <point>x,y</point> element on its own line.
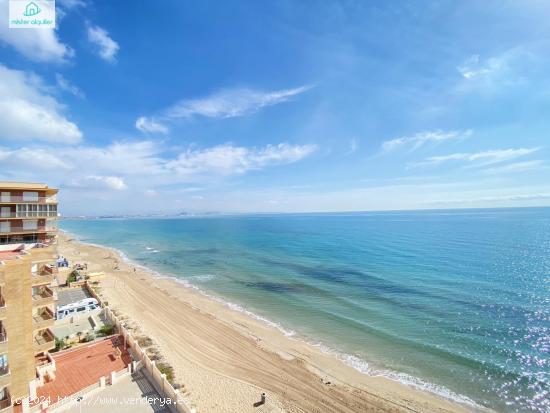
<point>224,359</point>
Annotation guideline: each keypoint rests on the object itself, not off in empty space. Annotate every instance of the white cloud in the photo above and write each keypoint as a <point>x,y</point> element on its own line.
<point>478,158</point>
<point>149,125</point>
<point>509,68</point>
<point>28,112</point>
<point>72,4</point>
<point>107,48</point>
<point>145,164</point>
<point>110,182</point>
<point>67,86</point>
<point>228,103</point>
<point>39,159</point>
<point>353,146</point>
<point>474,67</point>
<point>517,167</point>
<point>418,140</point>
<point>40,45</point>
<point>234,160</point>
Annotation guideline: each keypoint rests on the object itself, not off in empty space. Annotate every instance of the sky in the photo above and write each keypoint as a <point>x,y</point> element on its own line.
<point>283,106</point>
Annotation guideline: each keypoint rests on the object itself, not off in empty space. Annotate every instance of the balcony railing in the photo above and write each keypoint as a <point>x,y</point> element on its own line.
<point>43,296</point>
<point>29,214</point>
<point>23,230</point>
<point>13,199</point>
<point>42,279</point>
<point>15,239</point>
<point>5,403</point>
<point>43,341</point>
<point>3,339</point>
<point>43,319</point>
<point>47,269</point>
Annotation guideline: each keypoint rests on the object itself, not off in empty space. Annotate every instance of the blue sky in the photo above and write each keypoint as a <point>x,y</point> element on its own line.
<point>138,107</point>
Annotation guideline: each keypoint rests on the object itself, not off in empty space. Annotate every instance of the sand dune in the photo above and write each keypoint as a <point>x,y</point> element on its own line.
<point>226,359</point>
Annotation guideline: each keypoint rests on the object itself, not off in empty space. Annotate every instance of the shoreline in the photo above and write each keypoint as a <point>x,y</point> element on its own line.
<point>357,389</point>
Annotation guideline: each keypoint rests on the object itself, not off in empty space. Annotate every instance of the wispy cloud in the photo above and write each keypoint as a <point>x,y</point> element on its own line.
<point>420,139</point>
<point>482,158</point>
<point>39,45</point>
<point>29,112</point>
<point>146,164</point>
<point>353,146</point>
<point>474,67</point>
<point>106,47</point>
<point>227,103</point>
<point>516,167</point>
<point>232,160</point>
<point>27,158</point>
<point>111,182</point>
<point>149,125</point>
<point>67,86</point>
<point>492,73</point>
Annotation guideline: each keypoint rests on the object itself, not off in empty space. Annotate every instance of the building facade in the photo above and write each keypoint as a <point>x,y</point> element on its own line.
<point>28,252</point>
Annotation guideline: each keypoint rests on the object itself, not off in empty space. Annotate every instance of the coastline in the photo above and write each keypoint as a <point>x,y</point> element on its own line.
<point>226,356</point>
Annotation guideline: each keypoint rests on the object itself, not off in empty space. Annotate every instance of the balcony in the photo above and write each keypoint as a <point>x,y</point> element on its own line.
<point>44,296</point>
<point>29,214</point>
<point>3,340</point>
<point>23,230</point>
<point>44,341</point>
<point>45,275</point>
<point>18,199</point>
<point>5,377</point>
<point>5,403</point>
<point>43,319</point>
<point>2,308</point>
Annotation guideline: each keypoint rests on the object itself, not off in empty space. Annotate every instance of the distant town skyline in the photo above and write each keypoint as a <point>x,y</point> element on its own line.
<point>321,106</point>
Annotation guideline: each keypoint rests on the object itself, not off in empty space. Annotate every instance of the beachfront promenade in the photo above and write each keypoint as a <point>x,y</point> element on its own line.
<point>132,394</point>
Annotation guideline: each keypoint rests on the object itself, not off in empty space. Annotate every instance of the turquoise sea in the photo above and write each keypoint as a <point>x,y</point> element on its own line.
<point>454,301</point>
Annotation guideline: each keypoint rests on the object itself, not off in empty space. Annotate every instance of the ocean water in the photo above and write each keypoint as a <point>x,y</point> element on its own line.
<point>457,302</point>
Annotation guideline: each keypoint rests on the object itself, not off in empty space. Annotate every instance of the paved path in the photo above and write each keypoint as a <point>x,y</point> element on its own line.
<point>131,394</point>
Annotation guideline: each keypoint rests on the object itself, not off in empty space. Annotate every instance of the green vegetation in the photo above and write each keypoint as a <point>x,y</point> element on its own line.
<point>167,369</point>
<point>59,344</point>
<point>145,342</point>
<point>72,277</point>
<point>88,337</point>
<point>107,330</point>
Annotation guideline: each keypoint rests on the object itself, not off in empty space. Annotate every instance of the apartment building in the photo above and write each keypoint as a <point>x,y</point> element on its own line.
<point>28,252</point>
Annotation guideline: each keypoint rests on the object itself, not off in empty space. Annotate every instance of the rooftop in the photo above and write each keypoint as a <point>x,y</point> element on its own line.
<point>28,186</point>
<point>23,185</point>
<point>9,255</point>
<point>84,366</point>
<point>132,394</point>
<point>71,295</point>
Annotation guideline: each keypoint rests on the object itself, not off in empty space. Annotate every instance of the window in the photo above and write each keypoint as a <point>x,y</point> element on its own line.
<point>30,196</point>
<point>5,226</point>
<point>30,225</point>
<point>3,362</point>
<point>80,309</point>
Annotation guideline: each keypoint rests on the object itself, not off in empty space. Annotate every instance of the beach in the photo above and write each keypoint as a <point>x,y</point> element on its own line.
<point>224,359</point>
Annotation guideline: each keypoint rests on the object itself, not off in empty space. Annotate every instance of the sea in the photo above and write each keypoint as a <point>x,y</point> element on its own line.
<point>455,302</point>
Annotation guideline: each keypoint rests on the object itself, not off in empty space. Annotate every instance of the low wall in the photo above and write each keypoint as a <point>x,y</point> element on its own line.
<point>159,381</point>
